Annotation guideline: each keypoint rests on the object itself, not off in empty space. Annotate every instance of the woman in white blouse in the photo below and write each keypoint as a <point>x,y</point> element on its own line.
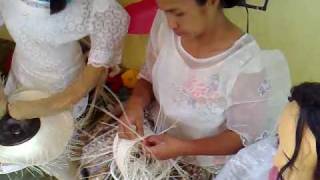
<point>48,56</point>
<point>216,89</point>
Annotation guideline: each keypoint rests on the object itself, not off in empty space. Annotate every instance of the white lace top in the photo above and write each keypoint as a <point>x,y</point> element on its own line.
<point>47,55</point>
<point>241,89</point>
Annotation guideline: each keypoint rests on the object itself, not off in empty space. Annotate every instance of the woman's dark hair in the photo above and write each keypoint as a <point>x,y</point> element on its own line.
<point>224,3</point>
<point>307,96</point>
<point>57,6</point>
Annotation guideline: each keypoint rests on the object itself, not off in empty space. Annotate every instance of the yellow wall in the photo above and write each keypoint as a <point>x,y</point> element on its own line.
<point>290,25</point>
<point>127,2</point>
<point>4,33</point>
<point>134,51</point>
<point>134,47</point>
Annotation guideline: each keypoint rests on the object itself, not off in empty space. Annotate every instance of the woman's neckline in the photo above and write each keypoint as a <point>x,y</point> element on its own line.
<point>244,39</point>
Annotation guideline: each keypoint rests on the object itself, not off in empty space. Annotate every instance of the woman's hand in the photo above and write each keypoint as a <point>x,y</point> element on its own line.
<point>131,123</point>
<point>163,147</point>
<point>62,101</point>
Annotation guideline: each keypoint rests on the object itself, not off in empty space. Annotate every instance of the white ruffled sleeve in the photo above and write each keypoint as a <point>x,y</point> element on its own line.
<point>257,98</point>
<point>247,114</point>
<point>251,163</point>
<point>109,26</point>
<point>154,46</point>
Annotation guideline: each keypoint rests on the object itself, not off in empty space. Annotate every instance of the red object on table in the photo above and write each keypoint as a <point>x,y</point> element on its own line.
<point>115,83</point>
<point>7,64</point>
<point>142,15</point>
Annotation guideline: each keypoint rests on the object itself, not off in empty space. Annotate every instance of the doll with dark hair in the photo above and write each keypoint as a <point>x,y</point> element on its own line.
<point>48,56</point>
<point>299,132</point>
<point>294,153</point>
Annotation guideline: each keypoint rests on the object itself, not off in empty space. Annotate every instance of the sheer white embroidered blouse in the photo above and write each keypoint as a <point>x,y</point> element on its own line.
<point>47,54</point>
<point>242,89</point>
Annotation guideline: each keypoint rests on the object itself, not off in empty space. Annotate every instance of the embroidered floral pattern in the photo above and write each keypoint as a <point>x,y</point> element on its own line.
<point>203,96</point>
<point>264,88</point>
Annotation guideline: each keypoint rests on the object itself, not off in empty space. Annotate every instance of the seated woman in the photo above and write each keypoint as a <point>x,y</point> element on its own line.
<point>295,157</point>
<point>48,56</point>
<point>211,83</point>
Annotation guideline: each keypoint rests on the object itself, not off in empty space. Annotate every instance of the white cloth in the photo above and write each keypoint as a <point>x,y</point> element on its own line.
<point>9,168</point>
<point>47,55</point>
<point>251,163</point>
<point>203,97</point>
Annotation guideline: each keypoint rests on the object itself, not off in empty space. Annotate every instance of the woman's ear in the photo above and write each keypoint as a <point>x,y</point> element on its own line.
<point>213,5</point>
<point>213,2</point>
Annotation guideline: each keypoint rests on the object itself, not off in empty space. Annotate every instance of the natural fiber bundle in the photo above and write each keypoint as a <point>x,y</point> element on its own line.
<point>133,164</point>
<point>128,161</point>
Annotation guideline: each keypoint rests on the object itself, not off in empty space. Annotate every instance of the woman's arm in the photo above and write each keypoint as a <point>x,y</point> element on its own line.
<point>85,82</point>
<point>225,143</point>
<point>142,96</point>
<point>166,147</point>
<point>142,93</point>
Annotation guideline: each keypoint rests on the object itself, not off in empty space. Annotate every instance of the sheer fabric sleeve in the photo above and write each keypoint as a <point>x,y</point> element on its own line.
<point>108,27</point>
<point>247,114</point>
<point>154,46</point>
<point>258,97</point>
<point>251,163</point>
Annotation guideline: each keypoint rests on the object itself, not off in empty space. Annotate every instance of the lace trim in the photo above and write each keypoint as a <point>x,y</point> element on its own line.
<point>246,140</point>
<point>99,65</point>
